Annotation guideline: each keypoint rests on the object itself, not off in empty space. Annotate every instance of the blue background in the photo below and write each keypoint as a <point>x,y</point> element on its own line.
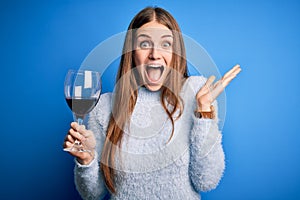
<point>41,40</point>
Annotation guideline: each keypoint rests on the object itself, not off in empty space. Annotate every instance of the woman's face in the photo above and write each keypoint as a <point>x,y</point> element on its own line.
<point>153,54</point>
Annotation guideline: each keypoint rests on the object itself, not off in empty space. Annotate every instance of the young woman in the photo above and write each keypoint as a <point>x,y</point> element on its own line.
<point>156,136</point>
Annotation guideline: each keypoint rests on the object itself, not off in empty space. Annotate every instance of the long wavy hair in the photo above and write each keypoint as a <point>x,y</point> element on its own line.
<point>128,80</point>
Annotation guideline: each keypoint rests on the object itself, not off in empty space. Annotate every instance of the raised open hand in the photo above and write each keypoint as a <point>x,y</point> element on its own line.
<point>210,91</point>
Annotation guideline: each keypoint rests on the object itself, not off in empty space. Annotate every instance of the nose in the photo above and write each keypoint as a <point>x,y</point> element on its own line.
<point>154,54</point>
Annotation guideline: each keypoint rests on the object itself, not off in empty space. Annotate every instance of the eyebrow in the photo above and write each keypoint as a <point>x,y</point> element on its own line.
<point>147,36</point>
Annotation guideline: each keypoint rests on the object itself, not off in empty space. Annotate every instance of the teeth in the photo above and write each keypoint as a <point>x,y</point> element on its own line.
<point>161,67</point>
<point>154,66</point>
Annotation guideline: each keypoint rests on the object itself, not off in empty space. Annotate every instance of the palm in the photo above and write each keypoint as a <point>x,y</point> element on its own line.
<point>210,91</point>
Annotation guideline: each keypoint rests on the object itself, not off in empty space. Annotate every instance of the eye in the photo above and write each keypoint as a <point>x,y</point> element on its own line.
<point>166,44</point>
<point>145,44</point>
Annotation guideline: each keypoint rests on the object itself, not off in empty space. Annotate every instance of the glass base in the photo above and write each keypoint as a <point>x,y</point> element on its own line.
<point>77,147</point>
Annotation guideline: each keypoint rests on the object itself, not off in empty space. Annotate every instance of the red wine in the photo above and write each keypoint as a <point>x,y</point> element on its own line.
<point>81,107</point>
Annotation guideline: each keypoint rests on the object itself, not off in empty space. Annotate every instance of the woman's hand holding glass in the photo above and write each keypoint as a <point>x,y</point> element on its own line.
<point>81,134</point>
<point>210,91</point>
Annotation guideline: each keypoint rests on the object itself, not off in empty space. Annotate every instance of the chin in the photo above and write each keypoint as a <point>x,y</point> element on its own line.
<point>153,88</point>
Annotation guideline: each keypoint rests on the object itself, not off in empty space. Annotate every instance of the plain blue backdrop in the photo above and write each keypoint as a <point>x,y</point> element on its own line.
<point>41,40</point>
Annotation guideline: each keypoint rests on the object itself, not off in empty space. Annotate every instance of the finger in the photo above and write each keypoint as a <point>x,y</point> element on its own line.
<point>70,138</point>
<point>80,128</point>
<point>228,79</point>
<point>231,71</point>
<point>74,125</point>
<point>68,144</point>
<point>206,87</point>
<point>88,133</point>
<point>218,89</point>
<point>217,83</point>
<point>77,135</point>
<point>236,70</point>
<point>209,81</point>
<point>221,84</point>
<point>77,127</point>
<point>84,132</point>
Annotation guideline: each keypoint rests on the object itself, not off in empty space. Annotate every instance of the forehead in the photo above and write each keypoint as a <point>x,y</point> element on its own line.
<point>154,30</point>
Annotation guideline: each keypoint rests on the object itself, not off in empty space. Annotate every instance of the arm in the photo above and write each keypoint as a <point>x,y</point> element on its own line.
<point>88,178</point>
<point>207,157</point>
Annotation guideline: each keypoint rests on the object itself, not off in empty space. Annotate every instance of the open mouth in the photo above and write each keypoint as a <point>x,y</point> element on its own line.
<point>154,72</point>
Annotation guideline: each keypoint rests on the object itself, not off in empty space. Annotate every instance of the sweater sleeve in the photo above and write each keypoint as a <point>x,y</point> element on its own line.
<point>88,178</point>
<point>206,152</point>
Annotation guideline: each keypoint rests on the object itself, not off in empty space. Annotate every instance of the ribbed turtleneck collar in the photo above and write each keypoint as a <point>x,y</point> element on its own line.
<point>146,95</point>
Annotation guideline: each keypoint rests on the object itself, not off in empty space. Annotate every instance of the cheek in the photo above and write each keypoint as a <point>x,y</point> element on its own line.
<point>168,58</point>
<point>139,57</point>
<point>138,61</point>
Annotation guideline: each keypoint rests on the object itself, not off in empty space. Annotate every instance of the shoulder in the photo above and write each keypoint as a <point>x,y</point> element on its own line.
<point>103,108</point>
<point>194,83</point>
<point>105,101</point>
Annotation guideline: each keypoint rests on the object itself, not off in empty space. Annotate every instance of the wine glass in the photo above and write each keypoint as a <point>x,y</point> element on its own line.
<point>82,92</point>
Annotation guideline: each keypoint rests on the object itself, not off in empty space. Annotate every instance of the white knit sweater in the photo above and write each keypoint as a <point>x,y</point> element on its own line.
<point>148,166</point>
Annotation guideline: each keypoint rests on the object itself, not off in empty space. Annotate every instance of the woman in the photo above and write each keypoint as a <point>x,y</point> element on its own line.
<point>156,136</point>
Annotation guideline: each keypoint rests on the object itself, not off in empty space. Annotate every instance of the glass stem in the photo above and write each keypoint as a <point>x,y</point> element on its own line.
<point>77,142</point>
<point>80,121</point>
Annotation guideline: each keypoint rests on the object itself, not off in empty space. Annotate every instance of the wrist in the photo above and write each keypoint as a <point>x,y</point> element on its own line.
<point>204,108</point>
<point>87,159</point>
<point>206,114</point>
